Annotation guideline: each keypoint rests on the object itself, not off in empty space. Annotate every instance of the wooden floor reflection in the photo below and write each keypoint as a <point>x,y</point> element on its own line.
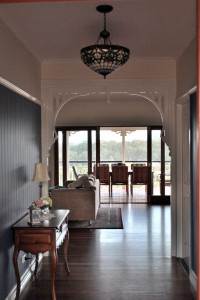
<point>133,263</point>
<point>120,196</point>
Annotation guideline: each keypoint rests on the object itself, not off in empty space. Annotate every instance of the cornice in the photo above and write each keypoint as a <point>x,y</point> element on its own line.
<point>18,90</point>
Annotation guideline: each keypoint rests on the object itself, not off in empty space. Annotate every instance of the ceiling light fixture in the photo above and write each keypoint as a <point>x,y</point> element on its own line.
<point>104,58</point>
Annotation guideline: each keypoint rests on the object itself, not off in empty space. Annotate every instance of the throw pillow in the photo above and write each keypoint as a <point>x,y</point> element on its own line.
<point>87,184</point>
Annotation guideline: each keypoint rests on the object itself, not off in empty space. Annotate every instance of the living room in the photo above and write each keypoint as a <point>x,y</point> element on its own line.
<point>163,83</point>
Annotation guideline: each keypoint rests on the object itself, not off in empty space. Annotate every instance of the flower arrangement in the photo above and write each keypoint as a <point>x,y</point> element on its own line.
<point>43,202</point>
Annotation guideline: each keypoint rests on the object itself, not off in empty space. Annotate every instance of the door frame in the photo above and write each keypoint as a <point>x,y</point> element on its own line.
<point>151,198</point>
<point>64,129</point>
<point>157,199</point>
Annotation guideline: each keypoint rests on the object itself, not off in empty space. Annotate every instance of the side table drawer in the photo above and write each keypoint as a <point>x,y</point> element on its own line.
<point>25,238</point>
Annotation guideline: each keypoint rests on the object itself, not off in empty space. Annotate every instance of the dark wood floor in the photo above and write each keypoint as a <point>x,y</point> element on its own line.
<point>129,264</point>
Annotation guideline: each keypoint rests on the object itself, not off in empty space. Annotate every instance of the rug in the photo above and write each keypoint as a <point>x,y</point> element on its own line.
<point>107,218</point>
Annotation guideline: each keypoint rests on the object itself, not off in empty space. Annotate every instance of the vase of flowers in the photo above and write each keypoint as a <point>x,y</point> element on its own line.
<point>44,203</point>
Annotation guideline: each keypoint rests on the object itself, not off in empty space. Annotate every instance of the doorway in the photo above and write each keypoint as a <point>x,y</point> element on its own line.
<point>88,147</point>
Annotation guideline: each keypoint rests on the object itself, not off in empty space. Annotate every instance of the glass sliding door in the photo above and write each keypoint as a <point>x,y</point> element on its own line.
<point>60,157</point>
<point>161,168</point>
<point>136,155</point>
<point>136,147</point>
<point>156,161</point>
<point>123,144</point>
<point>77,154</point>
<point>110,147</point>
<point>74,147</point>
<point>87,147</point>
<point>167,171</point>
<point>93,163</point>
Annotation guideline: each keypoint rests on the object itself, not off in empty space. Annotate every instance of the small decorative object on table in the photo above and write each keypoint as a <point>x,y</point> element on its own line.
<point>34,215</point>
<point>44,203</point>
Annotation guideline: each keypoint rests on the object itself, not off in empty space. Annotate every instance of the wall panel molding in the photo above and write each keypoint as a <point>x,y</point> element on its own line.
<point>20,149</point>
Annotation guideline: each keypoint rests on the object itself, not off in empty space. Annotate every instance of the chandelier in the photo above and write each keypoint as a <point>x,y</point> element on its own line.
<point>104,58</point>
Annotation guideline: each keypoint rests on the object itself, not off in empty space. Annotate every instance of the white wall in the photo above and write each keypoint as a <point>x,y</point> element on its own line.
<point>17,64</point>
<point>187,69</point>
<point>134,68</point>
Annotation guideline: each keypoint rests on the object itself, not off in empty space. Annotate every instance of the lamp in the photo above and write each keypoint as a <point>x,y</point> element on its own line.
<point>104,58</point>
<point>40,174</point>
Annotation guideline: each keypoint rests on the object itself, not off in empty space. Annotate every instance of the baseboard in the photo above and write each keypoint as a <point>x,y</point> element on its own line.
<point>192,276</point>
<point>184,265</point>
<point>24,279</point>
<point>193,280</point>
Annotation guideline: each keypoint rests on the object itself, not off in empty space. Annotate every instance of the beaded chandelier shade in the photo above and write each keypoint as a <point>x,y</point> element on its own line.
<point>104,58</point>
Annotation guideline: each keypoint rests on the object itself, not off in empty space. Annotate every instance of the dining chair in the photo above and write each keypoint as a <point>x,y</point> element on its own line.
<point>105,175</point>
<point>139,176</point>
<point>119,176</point>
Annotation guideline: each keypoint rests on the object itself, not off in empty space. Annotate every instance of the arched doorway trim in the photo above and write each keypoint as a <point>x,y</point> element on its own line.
<point>55,93</point>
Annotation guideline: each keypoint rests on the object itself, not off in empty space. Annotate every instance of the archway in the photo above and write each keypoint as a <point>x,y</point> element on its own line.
<point>119,110</point>
<point>115,109</point>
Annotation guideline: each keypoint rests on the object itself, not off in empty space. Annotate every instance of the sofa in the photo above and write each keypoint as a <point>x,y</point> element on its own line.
<point>81,197</point>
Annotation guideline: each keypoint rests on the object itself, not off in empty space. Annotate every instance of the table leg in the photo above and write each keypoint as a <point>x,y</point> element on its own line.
<point>15,256</point>
<point>36,266</point>
<point>54,260</point>
<point>66,242</point>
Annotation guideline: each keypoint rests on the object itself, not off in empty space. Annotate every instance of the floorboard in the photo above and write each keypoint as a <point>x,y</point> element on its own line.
<point>133,263</point>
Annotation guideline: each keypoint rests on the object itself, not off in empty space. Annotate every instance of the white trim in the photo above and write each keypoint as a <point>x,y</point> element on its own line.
<point>19,91</point>
<point>184,98</point>
<point>180,153</point>
<point>180,102</point>
<point>55,93</point>
<point>24,279</point>
<point>193,280</point>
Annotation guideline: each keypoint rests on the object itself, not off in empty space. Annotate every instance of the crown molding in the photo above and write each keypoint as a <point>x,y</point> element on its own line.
<point>18,90</point>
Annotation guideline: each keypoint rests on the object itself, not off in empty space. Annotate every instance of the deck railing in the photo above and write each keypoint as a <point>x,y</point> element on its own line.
<point>82,168</point>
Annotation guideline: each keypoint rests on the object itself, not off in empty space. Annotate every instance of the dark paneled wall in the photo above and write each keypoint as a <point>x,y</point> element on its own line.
<point>20,149</point>
<point>193,171</point>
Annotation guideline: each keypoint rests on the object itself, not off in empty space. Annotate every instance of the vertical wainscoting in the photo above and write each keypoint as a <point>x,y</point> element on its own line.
<point>20,149</point>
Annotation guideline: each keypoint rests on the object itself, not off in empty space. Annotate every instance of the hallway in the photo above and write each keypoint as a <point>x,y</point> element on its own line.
<point>129,264</point>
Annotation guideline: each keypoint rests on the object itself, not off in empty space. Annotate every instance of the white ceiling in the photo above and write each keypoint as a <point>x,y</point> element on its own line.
<point>57,31</point>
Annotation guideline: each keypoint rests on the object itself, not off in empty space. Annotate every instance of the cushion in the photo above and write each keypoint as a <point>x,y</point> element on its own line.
<point>79,182</point>
<point>87,184</point>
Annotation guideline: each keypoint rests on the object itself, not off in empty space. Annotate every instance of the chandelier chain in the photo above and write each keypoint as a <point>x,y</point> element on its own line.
<point>104,21</point>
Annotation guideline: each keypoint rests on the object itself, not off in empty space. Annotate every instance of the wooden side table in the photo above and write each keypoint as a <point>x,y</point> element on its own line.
<point>47,236</point>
